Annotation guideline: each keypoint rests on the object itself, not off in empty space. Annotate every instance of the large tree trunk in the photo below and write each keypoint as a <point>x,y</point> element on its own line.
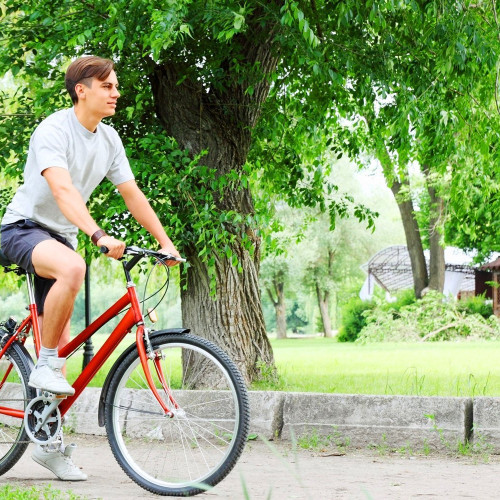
<point>278,301</point>
<point>400,187</point>
<point>221,122</point>
<point>324,302</point>
<point>413,238</point>
<point>437,262</point>
<point>233,318</point>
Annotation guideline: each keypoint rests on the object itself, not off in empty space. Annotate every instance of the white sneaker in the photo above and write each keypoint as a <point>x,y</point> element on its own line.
<point>50,378</point>
<point>59,462</point>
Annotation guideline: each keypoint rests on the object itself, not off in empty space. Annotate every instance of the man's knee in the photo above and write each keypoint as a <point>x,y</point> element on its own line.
<point>54,260</point>
<point>74,273</point>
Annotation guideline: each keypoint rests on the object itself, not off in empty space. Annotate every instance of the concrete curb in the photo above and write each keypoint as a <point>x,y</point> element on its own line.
<point>392,421</point>
<point>432,423</point>
<point>486,423</point>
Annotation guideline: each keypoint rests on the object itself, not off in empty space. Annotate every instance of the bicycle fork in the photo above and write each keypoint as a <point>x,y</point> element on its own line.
<point>146,353</point>
<point>145,350</point>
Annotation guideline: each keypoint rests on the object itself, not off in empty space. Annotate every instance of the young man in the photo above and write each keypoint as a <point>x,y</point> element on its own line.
<point>69,154</point>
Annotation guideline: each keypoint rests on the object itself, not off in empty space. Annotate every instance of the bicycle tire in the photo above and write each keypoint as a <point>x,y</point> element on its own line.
<point>147,444</point>
<point>14,393</point>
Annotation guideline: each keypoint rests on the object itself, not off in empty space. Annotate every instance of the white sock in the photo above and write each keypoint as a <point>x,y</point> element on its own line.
<point>45,354</point>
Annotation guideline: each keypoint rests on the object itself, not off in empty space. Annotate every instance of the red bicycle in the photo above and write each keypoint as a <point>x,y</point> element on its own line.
<point>174,405</point>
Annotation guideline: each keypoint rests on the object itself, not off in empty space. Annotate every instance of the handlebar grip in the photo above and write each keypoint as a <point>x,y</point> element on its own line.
<point>172,257</point>
<point>132,250</point>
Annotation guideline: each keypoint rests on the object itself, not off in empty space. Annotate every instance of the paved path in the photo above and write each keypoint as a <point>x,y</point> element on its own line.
<point>277,472</point>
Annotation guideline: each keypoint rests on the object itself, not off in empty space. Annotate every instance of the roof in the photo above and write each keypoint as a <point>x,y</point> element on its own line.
<point>491,266</point>
<point>391,267</point>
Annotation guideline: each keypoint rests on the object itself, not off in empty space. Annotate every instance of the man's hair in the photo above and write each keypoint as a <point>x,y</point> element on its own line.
<point>83,69</point>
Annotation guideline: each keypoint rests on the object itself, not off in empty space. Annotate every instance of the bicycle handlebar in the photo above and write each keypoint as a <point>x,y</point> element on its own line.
<point>142,252</point>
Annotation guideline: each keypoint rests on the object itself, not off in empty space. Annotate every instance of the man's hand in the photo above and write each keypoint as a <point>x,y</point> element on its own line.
<point>171,250</point>
<point>115,247</point>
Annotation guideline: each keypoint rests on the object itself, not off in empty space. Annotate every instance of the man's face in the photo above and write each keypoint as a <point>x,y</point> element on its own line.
<point>100,97</point>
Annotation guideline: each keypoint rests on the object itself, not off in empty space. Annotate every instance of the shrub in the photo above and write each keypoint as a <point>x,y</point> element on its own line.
<point>353,319</point>
<point>476,305</point>
<point>354,313</point>
<point>402,299</point>
<point>434,317</point>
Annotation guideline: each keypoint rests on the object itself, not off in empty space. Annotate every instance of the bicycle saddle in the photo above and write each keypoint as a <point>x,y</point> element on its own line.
<point>4,260</point>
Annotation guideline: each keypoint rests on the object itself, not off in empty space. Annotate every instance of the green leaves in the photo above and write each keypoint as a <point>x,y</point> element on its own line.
<point>406,80</point>
<point>185,194</point>
<point>167,28</point>
<point>291,14</point>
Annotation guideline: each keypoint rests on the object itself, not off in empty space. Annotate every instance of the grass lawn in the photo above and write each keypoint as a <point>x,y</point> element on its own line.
<point>324,365</point>
<point>424,369</point>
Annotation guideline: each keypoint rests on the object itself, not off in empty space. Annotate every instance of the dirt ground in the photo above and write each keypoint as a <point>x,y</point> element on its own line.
<point>278,472</point>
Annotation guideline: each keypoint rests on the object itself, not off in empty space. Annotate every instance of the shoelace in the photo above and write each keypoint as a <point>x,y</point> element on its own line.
<point>67,460</point>
<point>58,372</point>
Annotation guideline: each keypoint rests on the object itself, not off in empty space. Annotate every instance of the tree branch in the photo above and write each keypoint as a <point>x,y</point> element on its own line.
<point>498,70</point>
<point>92,7</point>
<point>274,302</point>
<point>318,26</point>
<point>439,330</point>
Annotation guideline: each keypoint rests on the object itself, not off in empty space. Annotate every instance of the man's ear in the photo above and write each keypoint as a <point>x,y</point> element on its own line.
<point>80,90</point>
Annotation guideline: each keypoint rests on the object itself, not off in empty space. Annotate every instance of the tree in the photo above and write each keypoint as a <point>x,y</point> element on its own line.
<point>434,98</point>
<point>197,72</point>
<point>213,76</point>
<point>280,262</point>
<point>274,274</point>
<point>324,260</point>
<point>320,274</point>
<point>332,255</point>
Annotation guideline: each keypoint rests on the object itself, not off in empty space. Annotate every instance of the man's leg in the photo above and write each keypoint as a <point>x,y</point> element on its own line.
<point>55,261</point>
<point>65,337</point>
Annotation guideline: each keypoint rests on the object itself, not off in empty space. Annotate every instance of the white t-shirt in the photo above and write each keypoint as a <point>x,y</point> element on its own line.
<point>62,141</point>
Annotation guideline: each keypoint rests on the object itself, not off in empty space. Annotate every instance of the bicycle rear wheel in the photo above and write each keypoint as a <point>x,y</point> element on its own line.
<point>200,445</point>
<point>15,369</point>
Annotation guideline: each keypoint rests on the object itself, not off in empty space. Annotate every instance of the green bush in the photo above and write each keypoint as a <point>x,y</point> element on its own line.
<point>434,317</point>
<point>402,299</point>
<point>354,313</point>
<point>353,319</point>
<point>476,305</point>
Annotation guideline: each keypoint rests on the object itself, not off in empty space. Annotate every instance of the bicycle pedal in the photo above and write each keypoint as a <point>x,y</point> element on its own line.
<point>52,396</point>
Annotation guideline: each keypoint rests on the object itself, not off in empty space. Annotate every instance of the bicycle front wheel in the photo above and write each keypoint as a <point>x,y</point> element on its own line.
<point>199,445</point>
<point>15,369</point>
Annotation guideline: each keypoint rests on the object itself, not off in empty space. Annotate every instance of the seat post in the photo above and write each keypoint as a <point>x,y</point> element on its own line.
<point>31,288</point>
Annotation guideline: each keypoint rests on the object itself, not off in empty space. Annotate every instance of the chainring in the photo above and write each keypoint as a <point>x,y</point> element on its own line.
<point>49,431</point>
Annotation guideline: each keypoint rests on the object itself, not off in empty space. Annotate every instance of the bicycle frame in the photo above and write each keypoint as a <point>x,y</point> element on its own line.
<point>133,317</point>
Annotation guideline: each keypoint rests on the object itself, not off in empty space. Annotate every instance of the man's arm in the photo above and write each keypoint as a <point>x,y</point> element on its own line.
<point>142,212</point>
<point>71,204</point>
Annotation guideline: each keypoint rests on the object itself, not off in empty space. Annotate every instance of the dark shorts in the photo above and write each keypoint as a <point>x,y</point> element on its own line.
<point>18,240</point>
